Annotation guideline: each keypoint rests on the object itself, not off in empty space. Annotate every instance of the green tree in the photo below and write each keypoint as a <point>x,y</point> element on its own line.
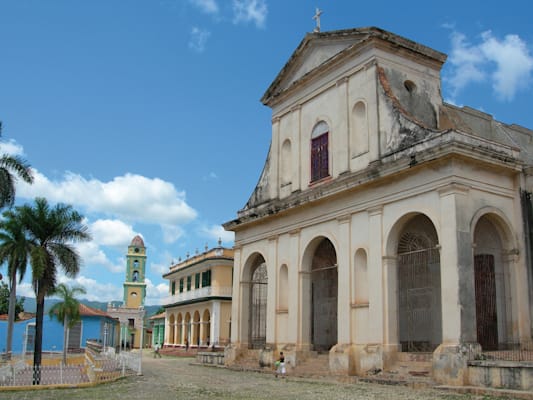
<point>67,311</point>
<point>51,232</point>
<point>12,168</point>
<point>4,301</point>
<point>14,249</point>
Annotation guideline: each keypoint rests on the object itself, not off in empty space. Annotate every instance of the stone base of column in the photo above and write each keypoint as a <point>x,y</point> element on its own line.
<point>450,363</point>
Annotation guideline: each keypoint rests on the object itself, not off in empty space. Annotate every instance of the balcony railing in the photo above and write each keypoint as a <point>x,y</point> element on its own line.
<point>210,291</point>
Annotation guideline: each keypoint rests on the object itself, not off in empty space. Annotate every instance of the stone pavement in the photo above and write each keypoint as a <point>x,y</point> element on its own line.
<point>175,378</point>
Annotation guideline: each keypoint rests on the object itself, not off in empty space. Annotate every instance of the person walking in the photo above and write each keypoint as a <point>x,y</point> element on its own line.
<point>280,365</point>
<point>156,350</point>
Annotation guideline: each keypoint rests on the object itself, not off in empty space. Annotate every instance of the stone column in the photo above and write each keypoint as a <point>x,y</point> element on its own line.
<point>293,284</point>
<point>236,299</point>
<point>341,136</point>
<point>456,269</point>
<point>344,280</point>
<point>274,159</point>
<point>457,288</point>
<point>272,271</point>
<point>390,300</point>
<point>215,322</point>
<point>375,275</point>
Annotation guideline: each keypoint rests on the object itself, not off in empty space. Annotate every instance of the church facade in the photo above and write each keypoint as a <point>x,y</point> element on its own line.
<point>385,221</point>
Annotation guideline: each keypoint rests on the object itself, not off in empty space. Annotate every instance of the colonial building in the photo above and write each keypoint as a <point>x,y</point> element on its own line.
<point>198,309</point>
<point>385,221</point>
<point>131,312</point>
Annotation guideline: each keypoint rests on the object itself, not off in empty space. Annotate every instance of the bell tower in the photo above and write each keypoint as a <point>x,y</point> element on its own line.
<point>134,285</point>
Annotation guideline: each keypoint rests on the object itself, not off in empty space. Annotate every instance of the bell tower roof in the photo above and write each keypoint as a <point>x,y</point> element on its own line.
<point>137,241</point>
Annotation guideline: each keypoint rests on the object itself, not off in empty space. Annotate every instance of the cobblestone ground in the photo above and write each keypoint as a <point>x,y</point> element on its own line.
<point>174,378</point>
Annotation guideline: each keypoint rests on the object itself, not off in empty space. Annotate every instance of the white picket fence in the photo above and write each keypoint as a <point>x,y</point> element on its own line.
<point>101,367</point>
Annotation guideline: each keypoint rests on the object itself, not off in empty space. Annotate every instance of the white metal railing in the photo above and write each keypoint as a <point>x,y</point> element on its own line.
<point>98,367</point>
<point>209,291</point>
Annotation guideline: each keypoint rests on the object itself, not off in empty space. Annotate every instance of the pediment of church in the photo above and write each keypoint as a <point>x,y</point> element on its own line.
<point>320,50</point>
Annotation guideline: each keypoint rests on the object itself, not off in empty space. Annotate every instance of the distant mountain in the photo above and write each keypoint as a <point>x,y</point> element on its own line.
<point>30,305</point>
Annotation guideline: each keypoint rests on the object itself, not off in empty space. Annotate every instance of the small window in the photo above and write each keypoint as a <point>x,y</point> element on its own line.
<point>197,281</point>
<point>181,285</point>
<point>189,280</point>
<point>320,151</point>
<point>173,291</point>
<point>206,278</point>
<point>410,86</point>
<point>131,322</point>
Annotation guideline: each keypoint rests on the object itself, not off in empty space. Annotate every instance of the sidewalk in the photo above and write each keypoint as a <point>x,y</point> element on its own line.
<point>176,378</point>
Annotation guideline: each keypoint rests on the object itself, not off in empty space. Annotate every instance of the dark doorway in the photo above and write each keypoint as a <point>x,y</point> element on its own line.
<point>324,296</point>
<point>486,313</point>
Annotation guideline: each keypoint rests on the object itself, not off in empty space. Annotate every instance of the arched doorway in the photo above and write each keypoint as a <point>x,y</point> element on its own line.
<point>324,296</point>
<point>420,311</point>
<point>258,304</point>
<point>171,329</point>
<point>206,328</point>
<point>492,282</point>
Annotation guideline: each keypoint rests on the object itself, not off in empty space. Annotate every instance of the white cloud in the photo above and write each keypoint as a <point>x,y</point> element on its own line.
<point>92,254</point>
<point>96,291</point>
<point>246,11</point>
<point>207,6</point>
<point>506,64</point>
<point>11,147</point>
<point>155,294</point>
<point>217,232</point>
<point>131,197</point>
<point>198,39</point>
<point>112,232</point>
<point>513,64</point>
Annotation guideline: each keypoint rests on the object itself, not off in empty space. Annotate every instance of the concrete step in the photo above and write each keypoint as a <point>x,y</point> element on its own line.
<point>421,357</point>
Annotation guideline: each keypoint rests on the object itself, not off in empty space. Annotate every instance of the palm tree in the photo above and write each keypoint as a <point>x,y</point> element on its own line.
<point>12,168</point>
<point>14,251</point>
<point>67,311</point>
<point>51,232</point>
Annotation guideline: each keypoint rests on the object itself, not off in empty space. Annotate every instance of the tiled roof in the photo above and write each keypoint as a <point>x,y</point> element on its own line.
<point>87,311</point>
<point>158,316</point>
<point>137,241</point>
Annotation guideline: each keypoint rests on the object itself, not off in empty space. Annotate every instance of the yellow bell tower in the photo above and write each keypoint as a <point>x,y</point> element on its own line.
<point>134,285</point>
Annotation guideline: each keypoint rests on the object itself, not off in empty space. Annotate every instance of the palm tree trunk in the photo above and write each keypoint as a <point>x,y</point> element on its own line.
<point>65,339</point>
<point>38,350</point>
<point>11,314</point>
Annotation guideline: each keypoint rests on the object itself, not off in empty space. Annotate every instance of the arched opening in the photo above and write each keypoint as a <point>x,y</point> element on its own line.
<point>492,282</point>
<point>283,288</point>
<point>187,333</point>
<point>196,329</point>
<point>286,162</point>
<point>420,311</point>
<point>258,303</point>
<point>320,151</point>
<point>359,142</point>
<point>179,327</point>
<point>206,328</point>
<point>171,329</point>
<point>323,294</point>
<point>360,277</point>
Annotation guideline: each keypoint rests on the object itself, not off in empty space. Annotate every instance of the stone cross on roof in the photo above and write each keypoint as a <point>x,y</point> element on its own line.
<point>318,13</point>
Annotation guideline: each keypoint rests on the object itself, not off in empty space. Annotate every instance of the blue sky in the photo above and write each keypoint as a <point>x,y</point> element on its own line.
<point>145,114</point>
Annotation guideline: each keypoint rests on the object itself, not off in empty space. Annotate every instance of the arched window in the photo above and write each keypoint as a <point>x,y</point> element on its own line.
<point>286,162</point>
<point>283,294</point>
<point>320,151</point>
<point>359,137</point>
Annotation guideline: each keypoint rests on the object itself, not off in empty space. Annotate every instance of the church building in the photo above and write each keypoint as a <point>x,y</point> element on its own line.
<point>131,312</point>
<point>385,221</point>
